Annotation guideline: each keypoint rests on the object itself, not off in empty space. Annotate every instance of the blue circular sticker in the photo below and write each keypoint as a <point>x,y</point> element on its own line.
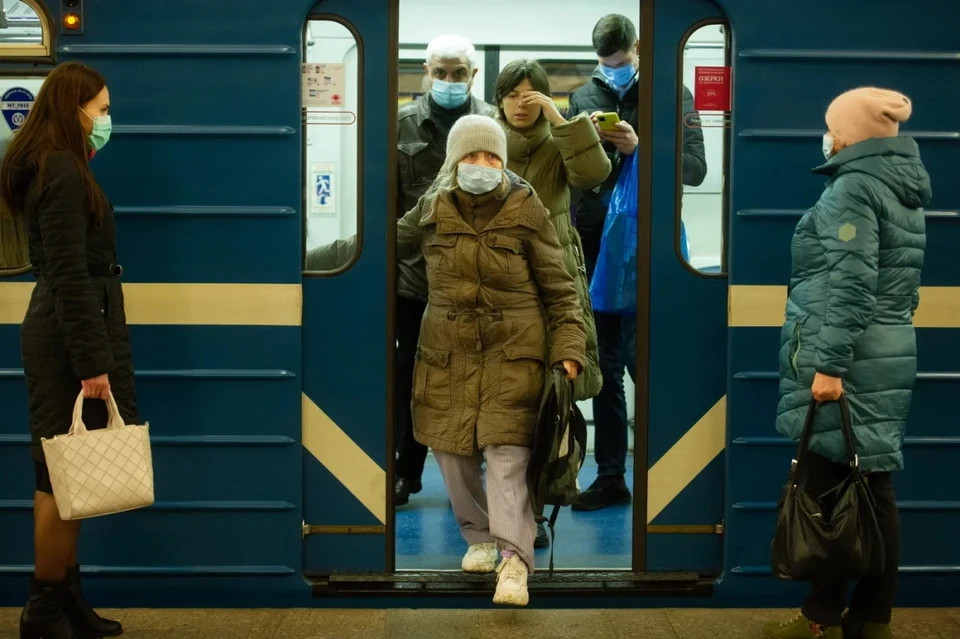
<point>15,105</point>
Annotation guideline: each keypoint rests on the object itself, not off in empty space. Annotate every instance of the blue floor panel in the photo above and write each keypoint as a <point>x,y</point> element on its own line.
<point>428,537</point>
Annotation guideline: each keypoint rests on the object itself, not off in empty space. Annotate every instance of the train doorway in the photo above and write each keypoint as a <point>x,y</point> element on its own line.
<point>670,522</point>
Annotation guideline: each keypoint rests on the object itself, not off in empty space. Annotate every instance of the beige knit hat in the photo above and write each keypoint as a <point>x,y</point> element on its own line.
<point>473,133</point>
<point>867,112</point>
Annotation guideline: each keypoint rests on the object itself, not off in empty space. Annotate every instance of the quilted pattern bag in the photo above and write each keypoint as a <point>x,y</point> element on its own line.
<point>100,472</point>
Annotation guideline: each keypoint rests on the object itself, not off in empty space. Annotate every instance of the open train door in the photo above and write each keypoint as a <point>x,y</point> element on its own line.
<point>347,87</point>
<point>681,343</point>
<point>682,297</point>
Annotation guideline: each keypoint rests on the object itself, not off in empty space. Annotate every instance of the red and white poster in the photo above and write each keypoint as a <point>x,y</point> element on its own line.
<point>712,89</point>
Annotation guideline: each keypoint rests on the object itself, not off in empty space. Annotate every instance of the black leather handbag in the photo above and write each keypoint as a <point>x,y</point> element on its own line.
<point>833,534</point>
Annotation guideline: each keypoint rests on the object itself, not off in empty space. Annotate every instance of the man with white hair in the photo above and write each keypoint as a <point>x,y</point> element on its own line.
<point>423,125</point>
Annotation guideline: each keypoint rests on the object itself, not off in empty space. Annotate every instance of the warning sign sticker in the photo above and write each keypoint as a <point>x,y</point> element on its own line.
<point>323,85</point>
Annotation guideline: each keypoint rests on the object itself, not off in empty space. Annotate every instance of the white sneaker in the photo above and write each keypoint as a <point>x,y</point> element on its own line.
<point>480,558</point>
<point>512,583</point>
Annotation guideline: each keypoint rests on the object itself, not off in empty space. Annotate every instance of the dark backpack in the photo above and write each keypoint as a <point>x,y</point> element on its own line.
<point>559,449</point>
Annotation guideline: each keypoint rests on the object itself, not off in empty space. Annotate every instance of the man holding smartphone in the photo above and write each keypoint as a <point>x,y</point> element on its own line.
<point>613,90</point>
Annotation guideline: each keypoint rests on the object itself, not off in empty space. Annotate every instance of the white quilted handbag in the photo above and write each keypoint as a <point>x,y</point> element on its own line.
<point>100,472</point>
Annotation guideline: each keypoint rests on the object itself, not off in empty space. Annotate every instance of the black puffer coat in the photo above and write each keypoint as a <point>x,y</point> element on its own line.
<point>75,327</point>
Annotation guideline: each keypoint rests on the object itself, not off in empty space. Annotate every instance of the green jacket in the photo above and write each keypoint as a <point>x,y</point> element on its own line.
<point>854,287</point>
<point>552,159</point>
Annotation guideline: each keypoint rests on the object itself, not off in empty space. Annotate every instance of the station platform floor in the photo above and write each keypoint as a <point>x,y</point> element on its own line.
<point>477,624</point>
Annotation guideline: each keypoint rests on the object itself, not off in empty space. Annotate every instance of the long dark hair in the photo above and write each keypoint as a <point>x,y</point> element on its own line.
<point>53,125</point>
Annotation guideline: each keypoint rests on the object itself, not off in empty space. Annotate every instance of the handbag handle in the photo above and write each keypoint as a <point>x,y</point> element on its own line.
<point>845,427</point>
<point>114,420</point>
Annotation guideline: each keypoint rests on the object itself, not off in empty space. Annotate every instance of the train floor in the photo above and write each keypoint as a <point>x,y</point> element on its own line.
<point>477,624</point>
<point>428,537</point>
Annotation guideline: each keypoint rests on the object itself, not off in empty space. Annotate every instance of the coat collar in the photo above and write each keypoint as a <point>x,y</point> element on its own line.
<point>424,106</point>
<point>521,208</point>
<point>525,142</point>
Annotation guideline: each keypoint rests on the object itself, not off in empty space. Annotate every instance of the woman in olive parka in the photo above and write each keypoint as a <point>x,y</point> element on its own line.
<point>502,309</point>
<point>854,287</point>
<point>553,155</point>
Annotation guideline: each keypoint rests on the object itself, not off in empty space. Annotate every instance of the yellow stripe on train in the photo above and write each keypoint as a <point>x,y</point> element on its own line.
<point>282,304</point>
<point>186,304</point>
<point>763,306</point>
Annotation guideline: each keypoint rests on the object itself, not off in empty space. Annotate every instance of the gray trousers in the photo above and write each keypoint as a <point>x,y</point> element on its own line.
<point>509,519</point>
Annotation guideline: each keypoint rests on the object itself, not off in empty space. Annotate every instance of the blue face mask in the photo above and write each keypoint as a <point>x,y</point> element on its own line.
<point>619,77</point>
<point>449,95</point>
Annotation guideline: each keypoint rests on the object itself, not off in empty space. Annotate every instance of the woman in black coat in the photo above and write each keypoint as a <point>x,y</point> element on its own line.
<point>74,337</point>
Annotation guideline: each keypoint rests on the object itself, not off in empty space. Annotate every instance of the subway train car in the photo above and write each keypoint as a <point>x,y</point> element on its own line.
<point>249,133</point>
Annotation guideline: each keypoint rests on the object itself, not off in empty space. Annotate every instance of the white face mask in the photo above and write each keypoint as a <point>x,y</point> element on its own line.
<point>478,180</point>
<point>827,145</point>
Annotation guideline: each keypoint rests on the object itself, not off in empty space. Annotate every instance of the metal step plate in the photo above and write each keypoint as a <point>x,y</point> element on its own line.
<point>565,583</point>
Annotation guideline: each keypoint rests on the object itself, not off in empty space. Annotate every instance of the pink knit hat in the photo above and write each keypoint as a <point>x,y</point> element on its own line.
<point>867,112</point>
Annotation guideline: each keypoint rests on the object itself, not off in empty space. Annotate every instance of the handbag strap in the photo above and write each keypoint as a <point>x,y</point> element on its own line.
<point>114,420</point>
<point>848,437</point>
<point>845,427</point>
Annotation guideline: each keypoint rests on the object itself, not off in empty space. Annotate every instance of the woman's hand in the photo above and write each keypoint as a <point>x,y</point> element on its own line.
<point>826,388</point>
<point>572,369</point>
<point>547,105</point>
<point>96,387</point>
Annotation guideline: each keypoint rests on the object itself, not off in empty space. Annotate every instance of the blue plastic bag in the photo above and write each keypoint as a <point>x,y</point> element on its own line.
<point>684,242</point>
<point>613,287</point>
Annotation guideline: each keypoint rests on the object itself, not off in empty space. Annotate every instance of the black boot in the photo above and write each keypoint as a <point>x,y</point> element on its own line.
<point>607,490</point>
<point>543,539</point>
<point>44,616</point>
<point>404,488</point>
<point>82,615</point>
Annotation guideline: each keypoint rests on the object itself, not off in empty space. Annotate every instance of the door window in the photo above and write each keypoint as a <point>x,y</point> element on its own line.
<point>331,98</point>
<point>704,138</point>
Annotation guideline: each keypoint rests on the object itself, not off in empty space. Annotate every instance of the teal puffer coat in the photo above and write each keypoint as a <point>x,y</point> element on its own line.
<point>854,287</point>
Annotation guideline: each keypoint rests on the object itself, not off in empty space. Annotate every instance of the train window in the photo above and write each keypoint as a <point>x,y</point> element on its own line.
<point>17,94</point>
<point>24,33</point>
<point>703,145</point>
<point>331,99</point>
<point>565,77</point>
<point>24,30</point>
<point>411,83</point>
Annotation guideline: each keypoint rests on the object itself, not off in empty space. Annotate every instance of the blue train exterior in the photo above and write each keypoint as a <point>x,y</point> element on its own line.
<point>268,390</point>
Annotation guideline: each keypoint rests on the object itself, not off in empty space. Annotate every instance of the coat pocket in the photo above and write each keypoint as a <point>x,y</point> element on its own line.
<point>411,162</point>
<point>522,377</point>
<point>506,253</point>
<point>439,253</point>
<point>433,383</point>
